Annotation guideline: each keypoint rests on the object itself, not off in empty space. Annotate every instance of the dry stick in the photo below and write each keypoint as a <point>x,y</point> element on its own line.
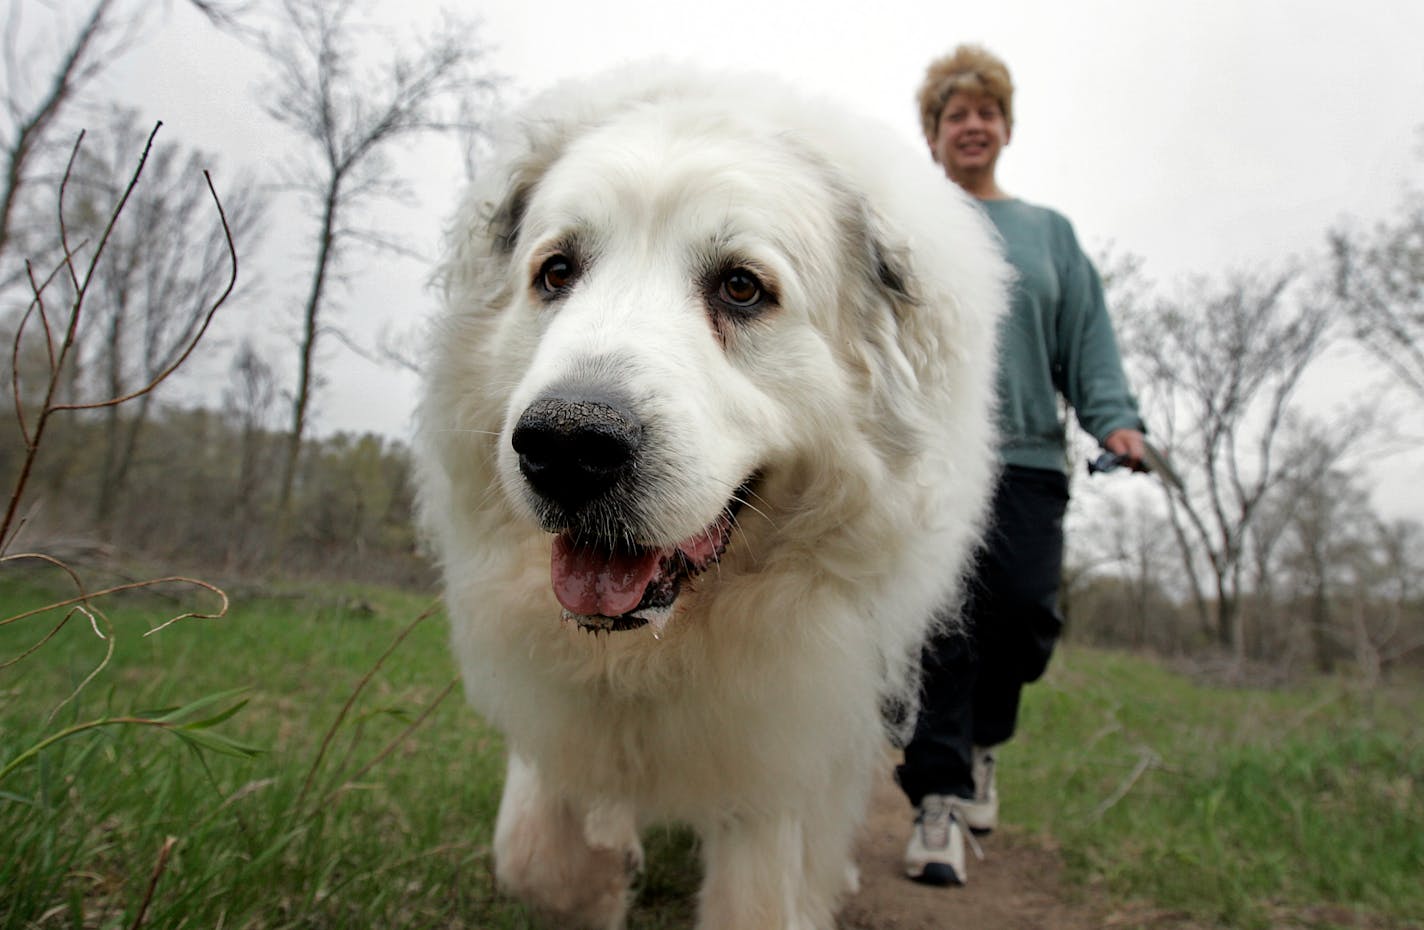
<point>391,746</point>
<point>1145,761</point>
<point>162,863</point>
<point>197,337</point>
<point>76,310</point>
<point>56,563</point>
<point>37,646</point>
<point>32,442</point>
<point>81,604</point>
<point>351,700</point>
<point>49,407</point>
<point>36,307</point>
<point>109,646</point>
<point>85,597</point>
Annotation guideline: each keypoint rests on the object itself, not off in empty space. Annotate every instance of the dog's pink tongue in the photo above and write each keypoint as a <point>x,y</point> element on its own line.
<point>589,580</point>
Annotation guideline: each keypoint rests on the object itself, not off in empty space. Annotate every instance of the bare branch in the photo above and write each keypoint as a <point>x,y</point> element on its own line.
<point>77,66</point>
<point>1379,281</point>
<point>197,337</point>
<point>50,405</point>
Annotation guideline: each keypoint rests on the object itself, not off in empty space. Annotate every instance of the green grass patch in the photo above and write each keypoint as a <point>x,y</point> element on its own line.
<point>1238,806</point>
<point>390,828</point>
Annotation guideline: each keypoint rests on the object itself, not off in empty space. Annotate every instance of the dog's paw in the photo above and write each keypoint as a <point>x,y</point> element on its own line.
<point>614,827</point>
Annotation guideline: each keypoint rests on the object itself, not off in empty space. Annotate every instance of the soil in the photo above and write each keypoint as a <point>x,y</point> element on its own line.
<point>1018,885</point>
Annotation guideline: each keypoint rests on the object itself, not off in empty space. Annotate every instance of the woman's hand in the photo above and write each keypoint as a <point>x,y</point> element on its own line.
<point>1129,444</point>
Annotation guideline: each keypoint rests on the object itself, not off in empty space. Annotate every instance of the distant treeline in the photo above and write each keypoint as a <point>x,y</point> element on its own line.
<point>200,493</point>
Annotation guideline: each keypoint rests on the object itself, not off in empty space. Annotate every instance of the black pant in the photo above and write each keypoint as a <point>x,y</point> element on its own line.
<point>973,677</point>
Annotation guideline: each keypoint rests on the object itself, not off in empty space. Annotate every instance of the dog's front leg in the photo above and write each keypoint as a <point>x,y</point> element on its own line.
<point>762,876</point>
<point>573,864</point>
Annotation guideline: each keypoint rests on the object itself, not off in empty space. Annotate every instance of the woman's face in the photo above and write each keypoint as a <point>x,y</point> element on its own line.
<point>972,132</point>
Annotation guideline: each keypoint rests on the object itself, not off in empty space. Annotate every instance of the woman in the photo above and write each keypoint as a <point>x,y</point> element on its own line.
<point>1058,340</point>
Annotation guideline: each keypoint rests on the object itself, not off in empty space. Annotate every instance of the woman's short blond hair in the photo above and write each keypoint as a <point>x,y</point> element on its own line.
<point>968,68</point>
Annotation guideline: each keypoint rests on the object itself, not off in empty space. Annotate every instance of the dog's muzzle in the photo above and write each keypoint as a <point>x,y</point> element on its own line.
<point>579,452</point>
<point>574,449</point>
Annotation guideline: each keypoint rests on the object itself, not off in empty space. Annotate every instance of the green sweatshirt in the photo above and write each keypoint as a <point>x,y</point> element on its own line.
<point>1057,340</point>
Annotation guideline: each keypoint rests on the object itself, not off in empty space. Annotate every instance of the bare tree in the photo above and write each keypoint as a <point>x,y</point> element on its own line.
<point>41,83</point>
<point>352,113</point>
<point>248,403</point>
<point>1387,619</point>
<point>151,293</point>
<point>1379,277</point>
<point>1312,534</point>
<point>1129,543</point>
<point>1218,372</point>
<point>31,112</point>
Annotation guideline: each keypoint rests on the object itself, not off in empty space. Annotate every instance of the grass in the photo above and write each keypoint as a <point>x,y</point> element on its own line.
<point>1239,807</point>
<point>1235,807</point>
<point>277,839</point>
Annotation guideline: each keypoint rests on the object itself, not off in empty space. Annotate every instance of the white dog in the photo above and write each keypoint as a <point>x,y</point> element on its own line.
<point>704,444</point>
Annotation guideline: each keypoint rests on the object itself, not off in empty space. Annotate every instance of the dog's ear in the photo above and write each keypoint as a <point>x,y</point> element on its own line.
<point>897,347</point>
<point>931,287</point>
<point>508,216</point>
<point>491,219</point>
<point>893,309</point>
<point>891,268</point>
<point>538,145</point>
<point>937,270</point>
<point>486,228</point>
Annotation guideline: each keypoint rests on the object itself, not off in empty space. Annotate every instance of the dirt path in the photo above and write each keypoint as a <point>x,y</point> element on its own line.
<point>1017,886</point>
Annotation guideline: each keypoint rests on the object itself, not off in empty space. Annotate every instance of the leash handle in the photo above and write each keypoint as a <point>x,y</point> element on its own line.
<point>1105,462</point>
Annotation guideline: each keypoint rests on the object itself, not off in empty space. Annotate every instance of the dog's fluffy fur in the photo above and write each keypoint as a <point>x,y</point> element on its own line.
<point>848,407</point>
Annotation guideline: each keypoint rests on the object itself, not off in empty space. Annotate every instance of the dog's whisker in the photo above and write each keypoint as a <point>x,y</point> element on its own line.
<point>757,510</point>
<point>743,540</point>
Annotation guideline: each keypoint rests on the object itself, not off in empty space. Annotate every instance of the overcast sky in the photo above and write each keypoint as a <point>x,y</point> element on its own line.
<point>1203,136</point>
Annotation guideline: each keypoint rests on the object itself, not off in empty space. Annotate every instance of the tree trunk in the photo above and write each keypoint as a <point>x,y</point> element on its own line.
<point>302,399</point>
<point>1320,621</point>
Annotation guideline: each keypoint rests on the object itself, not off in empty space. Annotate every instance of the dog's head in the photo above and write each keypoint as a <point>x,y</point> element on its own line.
<point>674,312</point>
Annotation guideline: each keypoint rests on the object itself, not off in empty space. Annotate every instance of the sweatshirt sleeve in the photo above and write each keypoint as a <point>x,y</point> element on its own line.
<point>1088,366</point>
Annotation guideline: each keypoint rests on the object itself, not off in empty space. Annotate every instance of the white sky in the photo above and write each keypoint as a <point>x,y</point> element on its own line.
<point>1204,136</point>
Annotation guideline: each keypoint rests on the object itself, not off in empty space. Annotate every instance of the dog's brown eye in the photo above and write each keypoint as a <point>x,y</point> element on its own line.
<point>556,274</point>
<point>740,288</point>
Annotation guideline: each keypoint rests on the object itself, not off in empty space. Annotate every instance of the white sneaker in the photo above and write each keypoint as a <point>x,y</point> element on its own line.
<point>935,855</point>
<point>981,813</point>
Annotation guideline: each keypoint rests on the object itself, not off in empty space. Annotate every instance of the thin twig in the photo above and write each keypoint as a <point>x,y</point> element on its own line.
<point>400,738</point>
<point>158,868</point>
<point>1148,759</point>
<point>48,407</point>
<point>83,603</point>
<point>37,646</point>
<point>80,604</point>
<point>64,228</point>
<point>36,308</point>
<point>86,597</point>
<point>197,337</point>
<point>351,700</point>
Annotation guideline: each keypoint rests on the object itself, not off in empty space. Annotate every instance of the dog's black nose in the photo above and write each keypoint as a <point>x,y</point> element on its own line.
<point>573,449</point>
